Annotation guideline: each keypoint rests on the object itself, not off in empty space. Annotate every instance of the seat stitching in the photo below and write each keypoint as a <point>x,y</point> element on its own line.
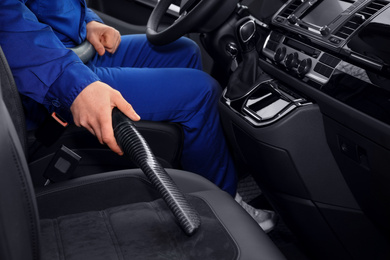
<point>59,242</point>
<point>112,235</point>
<point>81,183</point>
<point>32,217</point>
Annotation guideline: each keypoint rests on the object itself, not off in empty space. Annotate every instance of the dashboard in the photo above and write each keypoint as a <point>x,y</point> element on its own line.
<point>343,27</point>
<point>338,47</point>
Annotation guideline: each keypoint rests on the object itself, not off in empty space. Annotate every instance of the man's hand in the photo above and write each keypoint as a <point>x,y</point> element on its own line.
<point>92,109</point>
<point>103,37</point>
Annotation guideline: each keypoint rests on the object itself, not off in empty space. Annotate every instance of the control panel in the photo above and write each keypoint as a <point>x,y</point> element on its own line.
<point>300,59</point>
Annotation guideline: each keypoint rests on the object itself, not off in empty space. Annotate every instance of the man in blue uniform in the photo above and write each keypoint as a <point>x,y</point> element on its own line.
<point>161,83</point>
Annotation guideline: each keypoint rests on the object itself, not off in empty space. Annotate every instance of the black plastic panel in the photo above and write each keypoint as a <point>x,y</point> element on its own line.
<point>278,167</point>
<point>366,168</point>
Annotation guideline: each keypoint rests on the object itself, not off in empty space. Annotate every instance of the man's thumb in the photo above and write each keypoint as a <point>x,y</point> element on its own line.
<point>128,110</point>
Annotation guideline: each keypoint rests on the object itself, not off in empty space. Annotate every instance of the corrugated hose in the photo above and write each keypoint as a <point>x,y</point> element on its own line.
<point>138,151</point>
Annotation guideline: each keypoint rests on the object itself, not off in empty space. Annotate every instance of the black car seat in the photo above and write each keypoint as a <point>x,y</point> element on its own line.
<point>113,215</point>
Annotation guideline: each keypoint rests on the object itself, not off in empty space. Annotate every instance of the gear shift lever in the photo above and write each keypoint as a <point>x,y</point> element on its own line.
<point>246,33</point>
<point>248,72</point>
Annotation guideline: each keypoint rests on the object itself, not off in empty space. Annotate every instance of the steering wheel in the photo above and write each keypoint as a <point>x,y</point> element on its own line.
<point>195,16</point>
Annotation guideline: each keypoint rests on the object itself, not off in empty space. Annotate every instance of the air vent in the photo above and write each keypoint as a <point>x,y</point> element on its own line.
<point>359,18</point>
<point>372,8</point>
<point>291,8</point>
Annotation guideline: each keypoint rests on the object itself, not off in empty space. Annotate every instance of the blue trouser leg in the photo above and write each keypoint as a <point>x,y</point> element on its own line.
<point>167,84</point>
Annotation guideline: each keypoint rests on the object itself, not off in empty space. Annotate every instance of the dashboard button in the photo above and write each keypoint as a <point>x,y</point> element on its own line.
<point>280,54</point>
<point>292,19</point>
<point>292,60</point>
<point>304,67</point>
<point>329,60</point>
<point>323,70</point>
<point>334,40</point>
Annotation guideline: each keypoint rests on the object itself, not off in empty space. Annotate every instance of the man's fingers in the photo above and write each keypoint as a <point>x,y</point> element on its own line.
<point>107,135</point>
<point>111,41</point>
<point>118,41</point>
<point>103,37</point>
<point>92,109</point>
<point>99,47</point>
<point>92,131</point>
<point>118,101</point>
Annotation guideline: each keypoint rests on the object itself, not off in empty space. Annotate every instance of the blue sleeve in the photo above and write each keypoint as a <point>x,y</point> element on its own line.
<point>91,16</point>
<point>44,70</point>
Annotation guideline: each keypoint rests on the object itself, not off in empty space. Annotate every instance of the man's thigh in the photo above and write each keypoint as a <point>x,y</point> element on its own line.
<point>166,94</point>
<point>136,51</point>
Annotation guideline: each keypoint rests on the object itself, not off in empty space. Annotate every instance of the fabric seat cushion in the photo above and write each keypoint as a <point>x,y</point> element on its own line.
<point>119,215</point>
<point>144,230</point>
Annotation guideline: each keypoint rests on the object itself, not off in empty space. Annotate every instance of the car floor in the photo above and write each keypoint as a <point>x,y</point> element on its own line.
<point>281,235</point>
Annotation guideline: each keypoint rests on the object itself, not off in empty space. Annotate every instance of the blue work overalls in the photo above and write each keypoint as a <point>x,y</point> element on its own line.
<point>163,83</point>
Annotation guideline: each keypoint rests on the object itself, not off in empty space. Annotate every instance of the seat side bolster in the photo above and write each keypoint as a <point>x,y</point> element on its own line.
<point>252,241</point>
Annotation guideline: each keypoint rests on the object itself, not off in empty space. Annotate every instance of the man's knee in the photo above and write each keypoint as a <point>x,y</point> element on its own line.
<point>190,45</point>
<point>190,52</point>
<point>213,86</point>
<point>204,85</point>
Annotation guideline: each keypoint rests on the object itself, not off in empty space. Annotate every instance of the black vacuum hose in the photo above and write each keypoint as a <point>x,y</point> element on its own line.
<point>136,148</point>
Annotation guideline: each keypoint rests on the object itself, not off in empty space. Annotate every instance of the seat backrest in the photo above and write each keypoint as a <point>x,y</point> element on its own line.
<point>12,100</point>
<point>19,229</point>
